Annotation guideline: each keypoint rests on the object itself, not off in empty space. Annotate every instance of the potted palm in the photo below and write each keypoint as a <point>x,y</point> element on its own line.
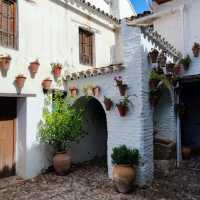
<point>46,84</point>
<point>153,55</point>
<point>196,49</point>
<point>56,69</point>
<point>34,66</point>
<point>108,103</point>
<point>123,106</point>
<point>60,128</point>
<point>121,86</point>
<point>124,173</point>
<point>186,62</point>
<point>20,80</point>
<point>5,62</point>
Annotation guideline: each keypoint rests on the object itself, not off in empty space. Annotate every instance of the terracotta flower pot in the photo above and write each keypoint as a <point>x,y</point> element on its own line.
<point>5,63</point>
<point>74,92</point>
<point>186,152</point>
<point>122,110</point>
<point>123,178</point>
<point>47,84</point>
<point>122,89</point>
<point>57,72</point>
<point>153,83</point>
<point>34,66</point>
<point>196,49</point>
<point>108,104</point>
<point>178,70</point>
<point>154,55</point>
<point>170,68</point>
<point>96,91</point>
<point>62,163</point>
<point>20,80</point>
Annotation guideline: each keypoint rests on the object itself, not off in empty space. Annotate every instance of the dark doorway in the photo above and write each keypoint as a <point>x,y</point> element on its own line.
<point>8,112</point>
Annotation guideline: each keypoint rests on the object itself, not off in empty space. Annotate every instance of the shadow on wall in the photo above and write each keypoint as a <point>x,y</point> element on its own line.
<point>95,143</point>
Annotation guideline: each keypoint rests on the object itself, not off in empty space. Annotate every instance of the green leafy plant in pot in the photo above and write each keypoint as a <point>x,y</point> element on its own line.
<point>186,62</point>
<point>124,173</point>
<point>60,127</point>
<point>123,106</point>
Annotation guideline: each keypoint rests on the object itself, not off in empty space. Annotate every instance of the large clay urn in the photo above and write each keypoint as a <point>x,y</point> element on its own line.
<point>62,163</point>
<point>124,177</point>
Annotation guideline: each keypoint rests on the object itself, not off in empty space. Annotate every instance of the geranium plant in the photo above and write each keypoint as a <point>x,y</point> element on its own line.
<point>122,87</point>
<point>123,106</point>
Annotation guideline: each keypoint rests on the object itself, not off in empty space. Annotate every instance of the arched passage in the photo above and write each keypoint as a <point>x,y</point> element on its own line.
<point>94,144</point>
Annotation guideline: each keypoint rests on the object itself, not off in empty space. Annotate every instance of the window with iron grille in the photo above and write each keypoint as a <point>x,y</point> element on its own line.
<point>8,23</point>
<point>86,47</point>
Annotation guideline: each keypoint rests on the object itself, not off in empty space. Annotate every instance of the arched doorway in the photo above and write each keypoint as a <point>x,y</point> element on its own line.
<point>94,144</point>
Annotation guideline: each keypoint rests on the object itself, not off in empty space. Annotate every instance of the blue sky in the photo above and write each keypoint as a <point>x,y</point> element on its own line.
<point>140,5</point>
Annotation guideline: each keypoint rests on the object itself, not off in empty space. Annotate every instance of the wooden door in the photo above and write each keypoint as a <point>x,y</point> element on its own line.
<point>7,136</point>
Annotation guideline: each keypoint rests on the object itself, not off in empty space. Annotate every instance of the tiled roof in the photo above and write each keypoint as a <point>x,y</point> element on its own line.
<point>144,14</point>
<point>89,5</point>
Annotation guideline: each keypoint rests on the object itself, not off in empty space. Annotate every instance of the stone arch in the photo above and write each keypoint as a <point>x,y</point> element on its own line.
<point>94,144</point>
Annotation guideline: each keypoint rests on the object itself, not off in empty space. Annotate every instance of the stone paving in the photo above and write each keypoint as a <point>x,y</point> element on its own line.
<point>90,182</point>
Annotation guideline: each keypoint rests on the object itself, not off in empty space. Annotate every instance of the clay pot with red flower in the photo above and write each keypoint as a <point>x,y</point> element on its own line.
<point>196,49</point>
<point>73,91</point>
<point>34,66</point>
<point>5,62</point>
<point>121,86</point>
<point>153,55</point>
<point>154,97</point>
<point>20,80</point>
<point>56,69</point>
<point>46,84</point>
<point>108,103</point>
<point>96,91</point>
<point>123,106</point>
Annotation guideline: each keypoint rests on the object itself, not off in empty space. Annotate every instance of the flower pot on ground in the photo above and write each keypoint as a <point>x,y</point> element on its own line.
<point>186,152</point>
<point>5,62</point>
<point>46,84</point>
<point>124,173</point>
<point>20,80</point>
<point>186,62</point>
<point>34,66</point>
<point>60,128</point>
<point>108,103</point>
<point>196,49</point>
<point>73,91</point>
<point>122,106</point>
<point>96,91</point>
<point>153,55</point>
<point>56,69</point>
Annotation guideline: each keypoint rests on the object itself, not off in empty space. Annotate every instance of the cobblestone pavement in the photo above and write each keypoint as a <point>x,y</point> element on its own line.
<point>90,182</point>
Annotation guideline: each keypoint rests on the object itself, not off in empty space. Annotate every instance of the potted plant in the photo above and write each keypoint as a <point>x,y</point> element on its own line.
<point>154,97</point>
<point>56,69</point>
<point>170,68</point>
<point>154,79</point>
<point>153,55</point>
<point>73,91</point>
<point>88,90</point>
<point>46,83</point>
<point>123,106</point>
<point>20,80</point>
<point>178,69</point>
<point>60,128</point>
<point>108,103</point>
<point>162,58</point>
<point>5,62</point>
<point>186,62</point>
<point>34,66</point>
<point>96,91</point>
<point>124,173</point>
<point>196,49</point>
<point>122,87</point>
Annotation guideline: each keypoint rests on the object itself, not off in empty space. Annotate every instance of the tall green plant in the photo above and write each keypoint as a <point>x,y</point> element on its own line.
<point>62,124</point>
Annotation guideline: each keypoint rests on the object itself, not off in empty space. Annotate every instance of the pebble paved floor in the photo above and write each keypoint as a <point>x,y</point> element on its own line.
<point>90,182</point>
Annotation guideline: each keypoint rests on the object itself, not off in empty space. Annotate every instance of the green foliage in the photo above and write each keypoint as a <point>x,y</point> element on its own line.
<point>124,102</point>
<point>123,155</point>
<point>62,125</point>
<point>186,61</point>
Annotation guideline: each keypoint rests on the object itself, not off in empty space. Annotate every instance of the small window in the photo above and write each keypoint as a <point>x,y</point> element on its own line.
<point>8,23</point>
<point>86,47</point>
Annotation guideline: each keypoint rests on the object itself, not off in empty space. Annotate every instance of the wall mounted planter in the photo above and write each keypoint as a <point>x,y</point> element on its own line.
<point>123,89</point>
<point>178,70</point>
<point>108,103</point>
<point>46,84</point>
<point>196,49</point>
<point>73,91</point>
<point>123,110</point>
<point>96,91</point>
<point>5,62</point>
<point>34,66</point>
<point>20,80</point>
<point>153,55</point>
<point>56,69</point>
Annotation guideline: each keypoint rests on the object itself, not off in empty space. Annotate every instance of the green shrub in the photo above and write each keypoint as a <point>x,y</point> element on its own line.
<point>123,155</point>
<point>62,124</point>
